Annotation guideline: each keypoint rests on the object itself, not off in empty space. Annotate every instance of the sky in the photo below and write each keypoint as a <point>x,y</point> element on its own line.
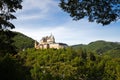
<point>40,18</point>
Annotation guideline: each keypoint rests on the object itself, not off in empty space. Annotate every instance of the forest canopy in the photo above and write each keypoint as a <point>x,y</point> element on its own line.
<point>7,8</point>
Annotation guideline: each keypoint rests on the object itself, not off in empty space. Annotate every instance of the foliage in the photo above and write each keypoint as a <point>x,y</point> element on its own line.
<point>78,46</point>
<point>6,43</point>
<point>7,8</point>
<point>69,64</point>
<point>100,11</point>
<point>13,42</point>
<point>11,69</point>
<point>100,47</point>
<point>22,41</point>
<point>115,53</point>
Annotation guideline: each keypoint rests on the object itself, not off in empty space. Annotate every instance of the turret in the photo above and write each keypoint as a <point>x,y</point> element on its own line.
<point>35,44</point>
<point>51,39</point>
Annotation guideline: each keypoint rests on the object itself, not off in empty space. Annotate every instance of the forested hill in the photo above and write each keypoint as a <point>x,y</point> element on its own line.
<point>101,47</point>
<point>22,41</point>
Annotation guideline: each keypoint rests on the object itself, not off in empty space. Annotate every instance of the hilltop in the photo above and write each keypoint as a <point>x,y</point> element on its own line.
<point>22,41</point>
<point>101,47</point>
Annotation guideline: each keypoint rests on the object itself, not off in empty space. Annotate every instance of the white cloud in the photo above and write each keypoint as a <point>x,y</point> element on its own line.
<point>43,5</point>
<point>43,8</point>
<point>31,17</point>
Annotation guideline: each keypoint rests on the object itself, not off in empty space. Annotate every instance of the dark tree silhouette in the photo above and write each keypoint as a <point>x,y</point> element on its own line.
<point>100,11</point>
<point>6,43</point>
<point>7,8</point>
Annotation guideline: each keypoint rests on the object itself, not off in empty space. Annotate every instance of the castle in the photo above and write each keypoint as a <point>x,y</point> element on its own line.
<point>49,42</point>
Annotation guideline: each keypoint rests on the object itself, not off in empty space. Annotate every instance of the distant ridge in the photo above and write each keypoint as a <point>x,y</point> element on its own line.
<point>100,47</point>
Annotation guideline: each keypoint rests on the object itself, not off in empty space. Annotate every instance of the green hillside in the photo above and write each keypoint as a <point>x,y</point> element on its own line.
<point>22,41</point>
<point>115,53</point>
<point>76,47</point>
<point>101,47</point>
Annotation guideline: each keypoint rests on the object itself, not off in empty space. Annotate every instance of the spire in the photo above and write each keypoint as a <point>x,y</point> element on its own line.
<point>52,38</point>
<point>51,35</point>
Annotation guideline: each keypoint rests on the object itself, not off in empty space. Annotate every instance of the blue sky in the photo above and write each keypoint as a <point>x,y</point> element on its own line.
<point>40,18</point>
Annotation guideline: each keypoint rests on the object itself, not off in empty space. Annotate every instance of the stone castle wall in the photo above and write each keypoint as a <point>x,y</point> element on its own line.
<point>49,42</point>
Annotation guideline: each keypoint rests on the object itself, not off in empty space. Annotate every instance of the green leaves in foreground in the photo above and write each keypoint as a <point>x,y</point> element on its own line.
<point>7,8</point>
<point>11,69</point>
<point>99,11</point>
<point>67,64</point>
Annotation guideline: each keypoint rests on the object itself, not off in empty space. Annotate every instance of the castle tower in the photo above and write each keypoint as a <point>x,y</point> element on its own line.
<point>51,39</point>
<point>35,44</point>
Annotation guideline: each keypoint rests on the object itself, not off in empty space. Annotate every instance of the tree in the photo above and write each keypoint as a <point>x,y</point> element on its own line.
<point>7,7</point>
<point>11,69</point>
<point>99,11</point>
<point>6,43</point>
